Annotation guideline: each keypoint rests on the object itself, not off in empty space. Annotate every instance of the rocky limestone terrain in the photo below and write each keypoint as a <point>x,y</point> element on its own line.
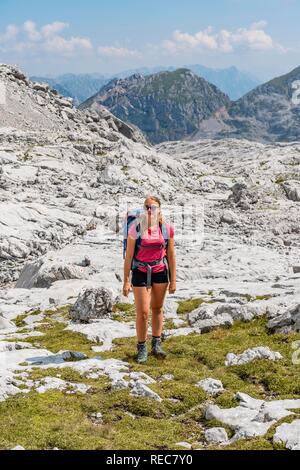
<point>165,106</point>
<point>68,376</point>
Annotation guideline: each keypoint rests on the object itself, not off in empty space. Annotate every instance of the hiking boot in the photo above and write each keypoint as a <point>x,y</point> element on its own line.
<point>157,350</point>
<point>142,354</point>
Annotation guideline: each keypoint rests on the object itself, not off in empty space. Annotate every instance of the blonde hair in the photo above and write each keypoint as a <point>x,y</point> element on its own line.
<point>144,217</point>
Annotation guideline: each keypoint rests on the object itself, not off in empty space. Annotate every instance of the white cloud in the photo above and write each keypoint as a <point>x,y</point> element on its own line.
<point>30,29</point>
<point>119,52</point>
<point>28,37</point>
<point>253,38</point>
<point>60,45</point>
<point>53,28</point>
<point>10,33</point>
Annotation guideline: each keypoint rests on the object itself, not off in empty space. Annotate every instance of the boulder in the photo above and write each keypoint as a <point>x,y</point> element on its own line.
<point>205,318</point>
<point>43,273</point>
<point>92,304</point>
<point>236,311</point>
<point>242,196</point>
<point>286,322</point>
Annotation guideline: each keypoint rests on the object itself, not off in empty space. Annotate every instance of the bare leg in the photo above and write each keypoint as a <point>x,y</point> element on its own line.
<point>157,301</point>
<point>142,297</point>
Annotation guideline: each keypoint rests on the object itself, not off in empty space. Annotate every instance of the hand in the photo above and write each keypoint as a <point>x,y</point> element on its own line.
<point>172,287</point>
<point>126,288</point>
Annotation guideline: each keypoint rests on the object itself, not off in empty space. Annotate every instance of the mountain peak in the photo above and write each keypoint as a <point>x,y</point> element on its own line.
<point>167,105</point>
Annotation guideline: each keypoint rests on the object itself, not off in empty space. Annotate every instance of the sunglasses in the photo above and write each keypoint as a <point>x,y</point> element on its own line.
<point>153,207</point>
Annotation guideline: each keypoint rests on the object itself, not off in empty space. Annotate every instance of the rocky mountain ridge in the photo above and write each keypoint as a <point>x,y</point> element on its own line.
<point>232,81</point>
<point>165,106</point>
<point>269,113</point>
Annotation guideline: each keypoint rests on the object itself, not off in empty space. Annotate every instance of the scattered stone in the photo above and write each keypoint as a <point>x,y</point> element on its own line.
<point>211,386</point>
<point>250,355</point>
<point>216,436</point>
<point>184,444</point>
<point>292,190</point>
<point>229,217</point>
<point>97,418</point>
<point>138,385</point>
<point>54,383</point>
<point>167,377</point>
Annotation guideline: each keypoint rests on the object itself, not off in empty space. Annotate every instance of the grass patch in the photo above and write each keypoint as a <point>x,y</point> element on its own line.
<point>57,338</point>
<point>123,312</point>
<point>280,179</point>
<point>186,306</point>
<point>56,419</point>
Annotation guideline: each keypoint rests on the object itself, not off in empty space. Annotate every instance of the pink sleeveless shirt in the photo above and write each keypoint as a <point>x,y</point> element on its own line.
<point>152,236</point>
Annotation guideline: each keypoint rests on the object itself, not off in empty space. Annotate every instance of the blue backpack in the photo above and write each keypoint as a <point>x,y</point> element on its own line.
<point>130,219</point>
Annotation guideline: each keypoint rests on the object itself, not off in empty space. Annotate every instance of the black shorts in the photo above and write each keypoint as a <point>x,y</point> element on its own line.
<point>139,278</point>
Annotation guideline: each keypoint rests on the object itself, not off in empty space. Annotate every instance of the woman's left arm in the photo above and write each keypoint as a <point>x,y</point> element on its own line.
<point>172,265</point>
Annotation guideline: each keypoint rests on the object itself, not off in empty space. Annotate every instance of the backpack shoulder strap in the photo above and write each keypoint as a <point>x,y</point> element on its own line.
<point>165,233</point>
<point>138,239</point>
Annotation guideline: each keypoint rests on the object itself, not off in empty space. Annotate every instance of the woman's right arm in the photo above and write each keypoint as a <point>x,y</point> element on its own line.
<point>127,264</point>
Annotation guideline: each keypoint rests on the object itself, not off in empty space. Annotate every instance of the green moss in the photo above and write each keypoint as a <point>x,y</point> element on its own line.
<point>257,443</point>
<point>64,373</point>
<point>263,297</point>
<point>169,324</point>
<point>123,307</point>
<point>123,312</point>
<point>186,306</point>
<point>57,338</point>
<point>63,311</point>
<point>251,298</point>
<point>19,320</point>
<point>280,179</point>
<point>55,419</point>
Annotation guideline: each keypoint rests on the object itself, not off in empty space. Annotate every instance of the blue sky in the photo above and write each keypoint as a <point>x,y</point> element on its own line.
<point>107,36</point>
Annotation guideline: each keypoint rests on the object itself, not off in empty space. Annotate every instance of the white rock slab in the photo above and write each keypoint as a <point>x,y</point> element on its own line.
<point>288,434</point>
<point>250,355</point>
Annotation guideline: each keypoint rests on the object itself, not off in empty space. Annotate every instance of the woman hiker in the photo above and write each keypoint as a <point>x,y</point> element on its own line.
<point>150,281</point>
